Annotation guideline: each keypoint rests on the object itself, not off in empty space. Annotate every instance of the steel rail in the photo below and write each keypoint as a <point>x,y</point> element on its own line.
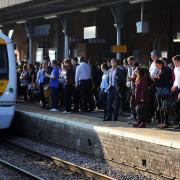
<point>146,170</point>
<point>60,162</point>
<point>19,170</point>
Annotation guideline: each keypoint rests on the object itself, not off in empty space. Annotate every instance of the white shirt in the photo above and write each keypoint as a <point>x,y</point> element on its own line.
<point>177,77</point>
<point>104,83</point>
<point>130,74</point>
<point>153,69</point>
<point>40,76</point>
<point>112,77</point>
<point>23,78</point>
<point>83,72</point>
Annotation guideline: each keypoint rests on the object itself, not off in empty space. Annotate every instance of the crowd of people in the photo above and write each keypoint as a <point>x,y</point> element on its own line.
<point>150,94</point>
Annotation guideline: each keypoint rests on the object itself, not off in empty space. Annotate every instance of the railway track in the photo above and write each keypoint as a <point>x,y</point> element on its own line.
<point>56,161</point>
<point>19,170</point>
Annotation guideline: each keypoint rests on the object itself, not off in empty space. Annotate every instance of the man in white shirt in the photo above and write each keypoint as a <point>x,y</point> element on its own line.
<point>153,69</point>
<point>83,81</point>
<point>176,85</point>
<point>83,72</point>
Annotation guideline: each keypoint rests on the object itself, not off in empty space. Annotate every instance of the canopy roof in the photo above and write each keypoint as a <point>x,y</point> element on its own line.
<point>41,8</point>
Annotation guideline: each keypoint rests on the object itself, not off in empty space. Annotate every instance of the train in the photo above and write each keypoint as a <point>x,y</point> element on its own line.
<point>8,82</point>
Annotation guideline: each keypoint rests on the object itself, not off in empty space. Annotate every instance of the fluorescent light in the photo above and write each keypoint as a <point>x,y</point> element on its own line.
<point>89,10</point>
<point>21,22</point>
<point>176,40</point>
<point>138,1</point>
<point>10,34</point>
<point>50,16</point>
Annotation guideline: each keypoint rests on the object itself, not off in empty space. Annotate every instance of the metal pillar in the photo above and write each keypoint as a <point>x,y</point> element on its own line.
<point>119,12</point>
<point>170,33</point>
<point>66,46</point>
<point>119,41</point>
<point>65,23</point>
<point>29,31</point>
<point>30,50</point>
<point>142,11</point>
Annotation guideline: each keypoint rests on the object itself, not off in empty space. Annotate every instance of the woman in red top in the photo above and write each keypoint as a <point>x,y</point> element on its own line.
<point>142,98</point>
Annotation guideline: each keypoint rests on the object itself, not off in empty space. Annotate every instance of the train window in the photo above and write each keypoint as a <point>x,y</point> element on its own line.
<point>4,68</point>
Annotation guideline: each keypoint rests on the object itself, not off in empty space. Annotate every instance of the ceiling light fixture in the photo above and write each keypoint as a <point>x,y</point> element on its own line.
<point>89,10</point>
<point>21,22</point>
<point>50,16</point>
<point>138,1</point>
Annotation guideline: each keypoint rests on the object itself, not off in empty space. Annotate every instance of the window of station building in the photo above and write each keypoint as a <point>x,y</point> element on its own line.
<point>39,55</point>
<point>52,54</point>
<point>4,67</point>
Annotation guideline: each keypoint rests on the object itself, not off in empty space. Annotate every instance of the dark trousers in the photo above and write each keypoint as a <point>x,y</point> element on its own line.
<point>96,95</point>
<point>43,99</point>
<point>61,95</point>
<point>113,104</point>
<point>85,89</point>
<point>103,102</point>
<point>54,92</point>
<point>162,116</point>
<point>178,112</point>
<point>24,92</point>
<point>75,94</point>
<point>68,97</point>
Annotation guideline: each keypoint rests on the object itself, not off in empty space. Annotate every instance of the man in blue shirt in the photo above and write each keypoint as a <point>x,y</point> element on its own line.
<point>54,86</point>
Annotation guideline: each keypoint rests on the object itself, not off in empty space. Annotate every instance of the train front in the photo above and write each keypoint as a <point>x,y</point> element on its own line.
<point>8,83</point>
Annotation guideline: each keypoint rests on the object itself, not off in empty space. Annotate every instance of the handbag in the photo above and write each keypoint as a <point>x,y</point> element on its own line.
<point>163,92</point>
<point>46,89</point>
<point>170,105</point>
<point>141,111</point>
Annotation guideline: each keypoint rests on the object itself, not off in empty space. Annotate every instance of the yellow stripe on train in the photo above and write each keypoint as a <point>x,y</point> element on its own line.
<point>2,41</point>
<point>3,85</point>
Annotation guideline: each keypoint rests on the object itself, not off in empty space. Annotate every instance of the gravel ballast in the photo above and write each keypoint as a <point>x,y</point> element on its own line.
<point>8,174</point>
<point>35,165</point>
<point>78,158</point>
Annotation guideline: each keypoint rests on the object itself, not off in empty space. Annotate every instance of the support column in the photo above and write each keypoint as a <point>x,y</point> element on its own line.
<point>65,23</point>
<point>170,33</point>
<point>119,12</point>
<point>29,32</point>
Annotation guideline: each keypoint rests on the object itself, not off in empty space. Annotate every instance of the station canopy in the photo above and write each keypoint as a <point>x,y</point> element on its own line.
<point>41,8</point>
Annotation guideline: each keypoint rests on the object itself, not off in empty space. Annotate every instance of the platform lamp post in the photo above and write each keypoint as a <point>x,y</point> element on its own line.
<point>119,12</point>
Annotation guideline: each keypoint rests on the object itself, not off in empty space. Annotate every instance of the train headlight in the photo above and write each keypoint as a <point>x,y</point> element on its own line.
<point>11,90</point>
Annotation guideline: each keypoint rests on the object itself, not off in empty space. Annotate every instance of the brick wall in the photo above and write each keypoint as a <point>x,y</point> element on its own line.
<point>145,157</point>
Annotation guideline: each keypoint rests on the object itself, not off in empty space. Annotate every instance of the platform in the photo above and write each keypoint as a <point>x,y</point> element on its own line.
<point>148,148</point>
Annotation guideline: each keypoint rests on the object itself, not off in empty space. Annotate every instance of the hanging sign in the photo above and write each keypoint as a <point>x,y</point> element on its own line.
<point>119,49</point>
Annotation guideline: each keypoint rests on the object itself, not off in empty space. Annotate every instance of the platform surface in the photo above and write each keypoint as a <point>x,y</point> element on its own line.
<point>92,121</point>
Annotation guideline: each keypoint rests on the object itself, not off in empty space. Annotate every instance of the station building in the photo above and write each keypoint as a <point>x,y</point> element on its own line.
<point>97,30</point>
